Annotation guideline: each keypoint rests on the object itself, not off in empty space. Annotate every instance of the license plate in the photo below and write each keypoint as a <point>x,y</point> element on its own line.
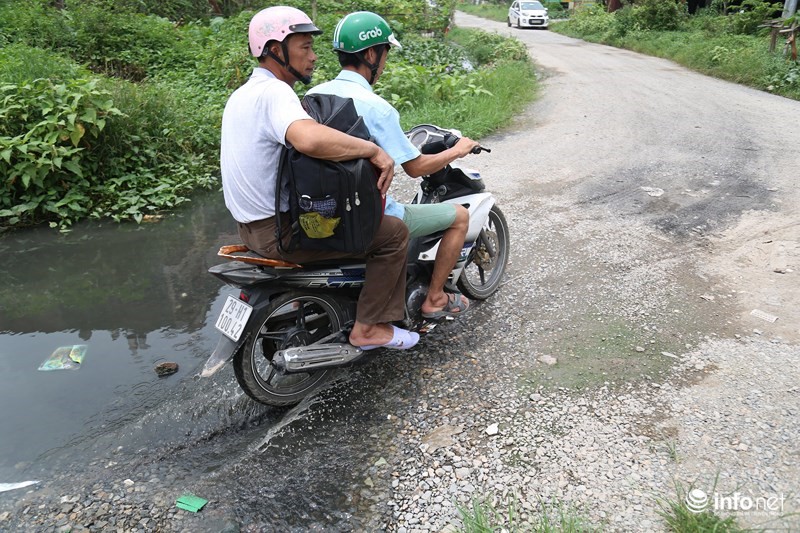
<point>233,318</point>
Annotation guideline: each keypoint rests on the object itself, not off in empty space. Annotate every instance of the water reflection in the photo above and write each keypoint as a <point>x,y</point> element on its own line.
<point>135,295</point>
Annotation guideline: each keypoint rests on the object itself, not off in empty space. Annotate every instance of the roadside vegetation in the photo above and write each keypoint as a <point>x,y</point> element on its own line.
<point>498,9</point>
<point>482,516</point>
<point>110,109</point>
<point>721,40</point>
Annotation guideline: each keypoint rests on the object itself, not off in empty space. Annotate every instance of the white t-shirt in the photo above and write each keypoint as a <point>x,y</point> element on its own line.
<point>254,126</point>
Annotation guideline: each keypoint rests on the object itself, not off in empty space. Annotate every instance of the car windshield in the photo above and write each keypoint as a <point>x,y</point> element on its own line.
<point>530,6</point>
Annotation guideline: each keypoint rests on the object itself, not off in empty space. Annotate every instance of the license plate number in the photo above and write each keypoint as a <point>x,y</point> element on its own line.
<point>233,318</point>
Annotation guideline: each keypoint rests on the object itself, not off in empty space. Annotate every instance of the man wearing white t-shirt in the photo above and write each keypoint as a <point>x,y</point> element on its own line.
<point>261,117</point>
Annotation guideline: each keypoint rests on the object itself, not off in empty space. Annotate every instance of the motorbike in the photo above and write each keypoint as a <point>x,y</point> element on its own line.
<point>289,325</point>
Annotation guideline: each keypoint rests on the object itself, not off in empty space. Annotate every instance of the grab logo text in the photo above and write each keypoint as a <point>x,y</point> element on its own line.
<point>370,34</point>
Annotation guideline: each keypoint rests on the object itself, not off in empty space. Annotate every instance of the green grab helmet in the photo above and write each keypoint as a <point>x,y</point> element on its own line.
<point>361,30</point>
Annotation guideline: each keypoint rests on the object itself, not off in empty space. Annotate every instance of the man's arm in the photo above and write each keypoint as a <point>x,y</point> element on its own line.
<point>429,163</point>
<point>315,140</point>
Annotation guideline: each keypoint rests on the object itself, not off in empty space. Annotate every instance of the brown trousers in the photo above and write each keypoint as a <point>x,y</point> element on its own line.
<point>382,298</point>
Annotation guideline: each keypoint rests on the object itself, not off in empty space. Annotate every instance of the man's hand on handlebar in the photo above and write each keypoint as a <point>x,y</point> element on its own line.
<point>465,146</point>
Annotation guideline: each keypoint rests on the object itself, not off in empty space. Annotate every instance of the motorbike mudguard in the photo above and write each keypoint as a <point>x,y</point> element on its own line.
<point>479,205</point>
<point>227,347</point>
<point>221,354</point>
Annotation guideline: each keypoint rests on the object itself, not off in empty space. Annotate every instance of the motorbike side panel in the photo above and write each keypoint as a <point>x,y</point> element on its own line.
<point>479,206</point>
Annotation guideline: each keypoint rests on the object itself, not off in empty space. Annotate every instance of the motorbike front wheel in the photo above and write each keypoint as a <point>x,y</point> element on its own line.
<point>488,259</point>
<point>292,319</point>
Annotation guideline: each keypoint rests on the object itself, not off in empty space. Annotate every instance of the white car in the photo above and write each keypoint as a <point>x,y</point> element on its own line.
<point>528,14</point>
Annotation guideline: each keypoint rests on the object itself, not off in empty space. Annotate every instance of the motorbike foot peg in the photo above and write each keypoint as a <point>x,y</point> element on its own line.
<point>310,358</point>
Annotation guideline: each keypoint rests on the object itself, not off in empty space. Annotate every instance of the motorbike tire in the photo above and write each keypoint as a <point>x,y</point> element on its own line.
<point>292,319</point>
<point>488,259</point>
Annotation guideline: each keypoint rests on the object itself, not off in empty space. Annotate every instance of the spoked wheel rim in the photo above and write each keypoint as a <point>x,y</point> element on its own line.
<point>299,321</point>
<point>484,270</point>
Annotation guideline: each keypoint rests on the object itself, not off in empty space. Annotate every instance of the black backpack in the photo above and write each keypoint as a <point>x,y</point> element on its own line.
<point>334,206</point>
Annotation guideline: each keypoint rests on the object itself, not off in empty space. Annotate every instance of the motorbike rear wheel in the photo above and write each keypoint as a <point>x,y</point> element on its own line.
<point>292,319</point>
<point>487,262</point>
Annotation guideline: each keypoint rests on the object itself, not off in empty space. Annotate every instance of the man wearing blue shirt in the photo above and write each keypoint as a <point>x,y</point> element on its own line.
<point>363,40</point>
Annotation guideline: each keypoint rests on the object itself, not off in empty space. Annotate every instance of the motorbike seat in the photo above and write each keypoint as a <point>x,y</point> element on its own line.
<point>240,252</point>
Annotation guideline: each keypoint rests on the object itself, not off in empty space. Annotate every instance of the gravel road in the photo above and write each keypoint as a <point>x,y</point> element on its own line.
<point>652,210</point>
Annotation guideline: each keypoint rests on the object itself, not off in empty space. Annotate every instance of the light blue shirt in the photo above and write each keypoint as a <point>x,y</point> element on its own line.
<point>381,118</point>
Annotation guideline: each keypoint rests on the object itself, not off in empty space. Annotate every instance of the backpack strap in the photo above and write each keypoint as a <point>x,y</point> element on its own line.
<point>282,169</point>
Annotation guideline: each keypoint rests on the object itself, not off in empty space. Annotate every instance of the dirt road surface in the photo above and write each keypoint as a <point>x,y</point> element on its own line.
<point>656,232</point>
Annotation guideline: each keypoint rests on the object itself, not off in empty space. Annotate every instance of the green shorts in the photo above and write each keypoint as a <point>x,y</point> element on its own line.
<point>428,218</point>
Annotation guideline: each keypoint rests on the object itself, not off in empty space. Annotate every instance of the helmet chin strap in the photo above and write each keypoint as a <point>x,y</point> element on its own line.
<point>285,64</point>
<point>373,67</point>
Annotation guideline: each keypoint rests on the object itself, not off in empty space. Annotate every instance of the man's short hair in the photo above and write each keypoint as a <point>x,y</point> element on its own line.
<point>353,60</point>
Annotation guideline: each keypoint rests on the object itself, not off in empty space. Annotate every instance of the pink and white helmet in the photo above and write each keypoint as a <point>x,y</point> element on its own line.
<point>276,23</point>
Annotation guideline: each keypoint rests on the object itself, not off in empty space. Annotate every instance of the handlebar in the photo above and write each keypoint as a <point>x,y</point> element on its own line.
<point>451,139</point>
<point>432,139</point>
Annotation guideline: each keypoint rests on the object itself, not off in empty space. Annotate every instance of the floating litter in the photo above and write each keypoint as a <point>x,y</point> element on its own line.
<point>65,358</point>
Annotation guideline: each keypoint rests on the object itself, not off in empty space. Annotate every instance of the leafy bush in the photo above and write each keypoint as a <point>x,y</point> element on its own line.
<point>36,23</point>
<point>662,15</point>
<point>751,14</point>
<point>21,63</point>
<point>591,19</point>
<point>125,45</point>
<point>488,47</point>
<point>67,151</point>
<point>432,52</point>
<point>46,130</point>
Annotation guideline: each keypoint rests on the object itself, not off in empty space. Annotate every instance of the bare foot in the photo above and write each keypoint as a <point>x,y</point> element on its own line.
<point>370,337</point>
<point>370,334</point>
<point>444,304</point>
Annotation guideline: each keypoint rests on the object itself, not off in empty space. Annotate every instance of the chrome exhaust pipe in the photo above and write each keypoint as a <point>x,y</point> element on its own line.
<point>315,357</point>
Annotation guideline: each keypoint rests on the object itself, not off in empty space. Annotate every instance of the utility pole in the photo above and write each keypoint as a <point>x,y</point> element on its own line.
<point>789,8</point>
<point>314,10</point>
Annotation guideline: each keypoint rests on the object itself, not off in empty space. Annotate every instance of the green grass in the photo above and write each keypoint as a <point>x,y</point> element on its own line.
<point>512,85</point>
<point>487,11</point>
<point>482,517</point>
<point>679,519</point>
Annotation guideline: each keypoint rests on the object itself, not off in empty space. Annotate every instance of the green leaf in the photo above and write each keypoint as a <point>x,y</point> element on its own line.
<point>90,115</point>
<point>73,167</point>
<point>77,134</point>
<point>6,154</point>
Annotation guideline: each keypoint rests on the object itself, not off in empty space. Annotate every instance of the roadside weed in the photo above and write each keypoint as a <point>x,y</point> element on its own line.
<point>672,450</point>
<point>680,518</point>
<point>483,517</point>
